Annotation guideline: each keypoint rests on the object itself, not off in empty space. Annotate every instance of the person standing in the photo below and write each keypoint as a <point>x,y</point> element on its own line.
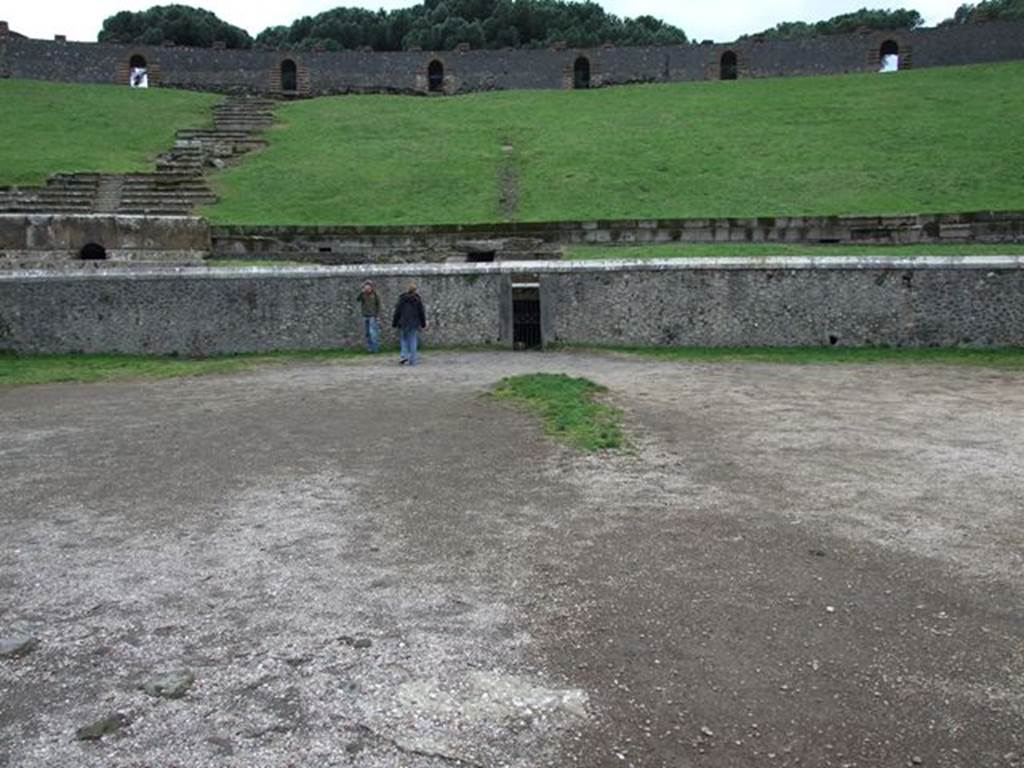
<point>369,302</point>
<point>410,316</point>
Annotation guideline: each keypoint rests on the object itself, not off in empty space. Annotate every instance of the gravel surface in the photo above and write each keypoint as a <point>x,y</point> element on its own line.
<point>363,564</point>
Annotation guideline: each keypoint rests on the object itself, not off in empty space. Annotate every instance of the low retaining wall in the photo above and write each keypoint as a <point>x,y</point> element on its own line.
<point>973,301</point>
<point>540,240</point>
<point>28,239</point>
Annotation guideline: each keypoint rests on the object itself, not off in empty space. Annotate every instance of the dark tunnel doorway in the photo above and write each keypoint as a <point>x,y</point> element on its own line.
<point>289,76</point>
<point>92,252</point>
<point>435,77</point>
<point>526,324</point>
<point>581,73</point>
<point>730,69</point>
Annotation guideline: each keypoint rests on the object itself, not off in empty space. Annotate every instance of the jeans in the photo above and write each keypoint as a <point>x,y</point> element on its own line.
<point>407,338</point>
<point>371,328</point>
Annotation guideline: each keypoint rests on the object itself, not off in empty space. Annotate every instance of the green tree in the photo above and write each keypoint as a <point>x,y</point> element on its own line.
<point>444,24</point>
<point>182,24</point>
<point>882,20</point>
<point>989,10</point>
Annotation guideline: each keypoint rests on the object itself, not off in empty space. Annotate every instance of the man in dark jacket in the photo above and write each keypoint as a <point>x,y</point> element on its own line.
<point>410,317</point>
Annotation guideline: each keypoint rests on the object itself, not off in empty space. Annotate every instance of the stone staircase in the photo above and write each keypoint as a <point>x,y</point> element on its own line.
<point>174,188</point>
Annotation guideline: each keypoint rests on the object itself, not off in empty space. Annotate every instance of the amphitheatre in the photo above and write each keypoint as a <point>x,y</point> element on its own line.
<point>713,457</point>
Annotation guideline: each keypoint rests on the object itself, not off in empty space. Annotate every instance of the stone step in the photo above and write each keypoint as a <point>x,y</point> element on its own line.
<point>165,179</point>
<point>39,208</point>
<point>95,177</point>
<point>241,127</point>
<point>169,202</point>
<point>242,115</point>
<point>159,202</point>
<point>167,189</point>
<point>155,211</point>
<point>178,166</point>
<point>50,198</point>
<point>149,197</point>
<point>49,193</point>
<point>203,133</point>
<point>174,187</point>
<point>250,141</point>
<point>72,185</point>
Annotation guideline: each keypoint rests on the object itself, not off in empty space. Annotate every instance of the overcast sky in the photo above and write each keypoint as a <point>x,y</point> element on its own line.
<point>82,19</point>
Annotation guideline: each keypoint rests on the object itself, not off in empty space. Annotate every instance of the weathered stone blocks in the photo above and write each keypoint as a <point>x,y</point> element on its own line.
<point>784,301</point>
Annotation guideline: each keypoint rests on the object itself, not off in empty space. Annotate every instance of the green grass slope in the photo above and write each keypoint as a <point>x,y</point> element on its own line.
<point>48,128</point>
<point>930,140</point>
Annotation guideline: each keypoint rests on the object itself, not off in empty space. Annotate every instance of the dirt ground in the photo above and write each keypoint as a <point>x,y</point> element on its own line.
<point>365,564</point>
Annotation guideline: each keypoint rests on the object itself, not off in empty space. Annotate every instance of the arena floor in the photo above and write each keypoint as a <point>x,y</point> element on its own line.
<point>366,564</point>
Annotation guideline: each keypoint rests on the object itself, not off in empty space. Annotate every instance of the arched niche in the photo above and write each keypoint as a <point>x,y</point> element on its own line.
<point>581,73</point>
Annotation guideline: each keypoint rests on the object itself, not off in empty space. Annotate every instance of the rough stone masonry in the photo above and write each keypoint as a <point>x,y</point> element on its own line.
<point>781,301</point>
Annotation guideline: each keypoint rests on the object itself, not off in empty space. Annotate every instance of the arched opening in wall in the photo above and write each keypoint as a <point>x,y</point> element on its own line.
<point>138,72</point>
<point>730,66</point>
<point>889,57</point>
<point>581,73</point>
<point>289,76</point>
<point>92,252</point>
<point>435,76</point>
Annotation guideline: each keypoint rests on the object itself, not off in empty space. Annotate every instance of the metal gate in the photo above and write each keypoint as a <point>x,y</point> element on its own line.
<point>526,316</point>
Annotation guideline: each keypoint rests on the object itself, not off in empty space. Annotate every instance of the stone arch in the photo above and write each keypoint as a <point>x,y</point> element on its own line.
<point>889,56</point>
<point>435,76</point>
<point>289,76</point>
<point>93,252</point>
<point>729,66</point>
<point>581,73</point>
<point>138,71</point>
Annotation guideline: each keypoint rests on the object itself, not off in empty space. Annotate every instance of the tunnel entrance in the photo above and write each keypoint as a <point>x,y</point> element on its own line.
<point>138,72</point>
<point>730,68</point>
<point>889,57</point>
<point>93,252</point>
<point>289,76</point>
<point>435,77</point>
<point>526,329</point>
<point>581,73</point>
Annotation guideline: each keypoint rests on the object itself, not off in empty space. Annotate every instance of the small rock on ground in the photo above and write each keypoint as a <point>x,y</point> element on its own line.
<point>172,685</point>
<point>102,727</point>
<point>15,646</point>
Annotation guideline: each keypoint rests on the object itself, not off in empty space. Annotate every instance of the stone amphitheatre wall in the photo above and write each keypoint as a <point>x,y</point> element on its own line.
<point>531,240</point>
<point>975,301</point>
<point>319,73</point>
<point>58,240</point>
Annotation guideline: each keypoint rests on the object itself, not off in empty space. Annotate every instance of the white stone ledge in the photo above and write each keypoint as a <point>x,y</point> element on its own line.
<point>781,263</point>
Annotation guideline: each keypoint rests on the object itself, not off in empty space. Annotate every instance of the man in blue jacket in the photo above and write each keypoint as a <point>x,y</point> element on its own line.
<point>410,317</point>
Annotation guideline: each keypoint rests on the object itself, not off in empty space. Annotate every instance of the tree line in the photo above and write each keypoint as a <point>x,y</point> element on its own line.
<point>445,24</point>
<point>844,24</point>
<point>990,10</point>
